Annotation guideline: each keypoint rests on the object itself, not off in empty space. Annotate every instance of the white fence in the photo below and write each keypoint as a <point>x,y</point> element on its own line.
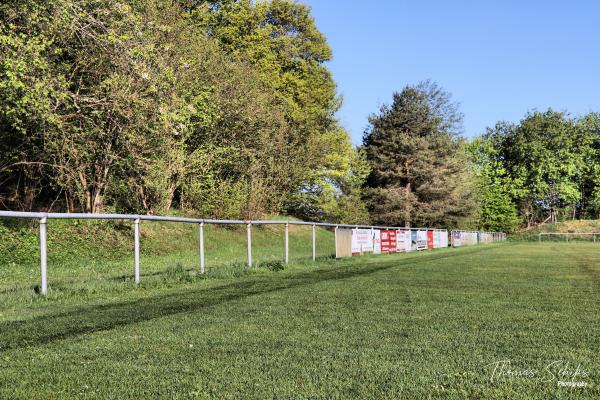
<point>468,238</point>
<point>418,238</point>
<point>567,235</point>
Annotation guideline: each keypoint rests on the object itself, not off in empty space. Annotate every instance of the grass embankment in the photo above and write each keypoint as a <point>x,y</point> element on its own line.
<point>90,256</point>
<point>576,226</point>
<point>426,325</point>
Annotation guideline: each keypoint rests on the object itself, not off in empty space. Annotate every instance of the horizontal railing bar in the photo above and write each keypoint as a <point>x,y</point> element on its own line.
<point>24,214</point>
<point>170,219</point>
<point>570,233</point>
<point>21,214</point>
<point>92,216</point>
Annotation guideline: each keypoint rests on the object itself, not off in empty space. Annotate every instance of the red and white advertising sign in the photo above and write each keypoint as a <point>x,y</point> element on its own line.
<point>388,241</point>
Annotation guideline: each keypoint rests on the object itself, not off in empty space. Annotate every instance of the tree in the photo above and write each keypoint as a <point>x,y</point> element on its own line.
<point>106,100</point>
<point>280,40</point>
<point>224,108</point>
<point>419,170</point>
<point>496,190</point>
<point>546,153</point>
<point>333,192</point>
<point>589,178</point>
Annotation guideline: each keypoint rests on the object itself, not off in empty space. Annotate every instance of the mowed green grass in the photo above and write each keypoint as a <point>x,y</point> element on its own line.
<point>426,325</point>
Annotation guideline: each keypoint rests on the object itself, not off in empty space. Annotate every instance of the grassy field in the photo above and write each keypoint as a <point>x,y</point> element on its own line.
<point>426,325</point>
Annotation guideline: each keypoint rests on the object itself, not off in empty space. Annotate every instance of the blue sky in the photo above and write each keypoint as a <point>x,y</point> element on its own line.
<point>499,59</point>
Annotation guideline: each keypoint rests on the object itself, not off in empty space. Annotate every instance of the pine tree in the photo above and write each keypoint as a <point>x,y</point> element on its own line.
<point>419,170</point>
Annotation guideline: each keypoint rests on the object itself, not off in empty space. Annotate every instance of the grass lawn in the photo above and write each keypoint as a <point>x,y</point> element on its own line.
<point>426,325</point>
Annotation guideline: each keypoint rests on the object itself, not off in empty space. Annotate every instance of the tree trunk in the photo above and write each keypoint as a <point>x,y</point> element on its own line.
<point>88,201</point>
<point>97,205</point>
<point>169,202</point>
<point>100,184</point>
<point>407,205</point>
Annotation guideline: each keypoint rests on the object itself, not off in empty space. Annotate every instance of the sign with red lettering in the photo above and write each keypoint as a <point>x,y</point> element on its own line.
<point>388,241</point>
<point>362,241</point>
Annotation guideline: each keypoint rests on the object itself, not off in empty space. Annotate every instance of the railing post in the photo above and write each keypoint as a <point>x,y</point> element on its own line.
<point>335,238</point>
<point>249,234</point>
<point>539,237</point>
<point>286,256</point>
<point>314,243</point>
<point>201,247</point>
<point>136,250</point>
<point>372,240</point>
<point>43,257</point>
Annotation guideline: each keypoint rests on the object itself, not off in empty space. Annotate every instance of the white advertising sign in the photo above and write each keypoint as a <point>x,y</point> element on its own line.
<point>403,239</point>
<point>376,241</point>
<point>421,240</point>
<point>443,239</point>
<point>362,240</point>
<point>436,239</point>
<point>407,240</point>
<point>456,236</point>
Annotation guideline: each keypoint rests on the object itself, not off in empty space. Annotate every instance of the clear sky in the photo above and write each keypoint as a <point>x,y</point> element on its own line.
<point>499,59</point>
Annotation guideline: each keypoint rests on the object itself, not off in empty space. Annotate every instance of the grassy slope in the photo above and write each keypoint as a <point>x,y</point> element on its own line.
<point>582,226</point>
<point>91,256</point>
<point>411,325</point>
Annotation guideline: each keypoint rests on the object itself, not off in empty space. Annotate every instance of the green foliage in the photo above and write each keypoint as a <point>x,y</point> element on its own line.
<point>17,244</point>
<point>589,204</point>
<point>281,40</point>
<point>225,108</point>
<point>496,190</point>
<point>546,166</point>
<point>419,172</point>
<point>333,192</point>
<point>177,273</point>
<point>272,265</point>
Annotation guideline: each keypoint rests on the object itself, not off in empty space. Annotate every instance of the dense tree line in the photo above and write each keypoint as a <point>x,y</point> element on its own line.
<point>223,107</point>
<point>226,108</point>
<point>546,168</point>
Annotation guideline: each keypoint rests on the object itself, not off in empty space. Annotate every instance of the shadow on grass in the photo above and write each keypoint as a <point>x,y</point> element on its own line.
<point>95,318</point>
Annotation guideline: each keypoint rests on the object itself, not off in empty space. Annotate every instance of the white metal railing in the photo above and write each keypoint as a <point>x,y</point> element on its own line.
<point>567,234</point>
<point>465,238</point>
<point>43,218</point>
